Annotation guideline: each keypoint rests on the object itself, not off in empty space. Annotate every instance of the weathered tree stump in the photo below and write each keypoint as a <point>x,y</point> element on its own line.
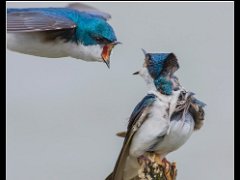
<point>154,169</point>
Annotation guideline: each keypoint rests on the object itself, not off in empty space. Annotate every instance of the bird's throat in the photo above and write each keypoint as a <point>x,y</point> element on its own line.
<point>106,52</point>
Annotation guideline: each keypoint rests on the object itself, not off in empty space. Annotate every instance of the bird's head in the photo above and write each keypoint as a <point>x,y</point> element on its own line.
<point>160,64</point>
<point>158,69</point>
<point>97,35</point>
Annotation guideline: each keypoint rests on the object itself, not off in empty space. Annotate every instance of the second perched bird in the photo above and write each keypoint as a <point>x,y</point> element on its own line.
<point>150,120</point>
<point>161,122</point>
<point>78,31</point>
<point>195,107</point>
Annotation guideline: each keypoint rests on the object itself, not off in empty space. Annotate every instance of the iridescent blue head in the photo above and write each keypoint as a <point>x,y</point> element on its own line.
<point>92,30</point>
<point>78,23</point>
<point>161,67</point>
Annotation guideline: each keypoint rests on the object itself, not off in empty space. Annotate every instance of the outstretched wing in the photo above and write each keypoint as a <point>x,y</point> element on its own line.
<point>89,10</point>
<point>32,20</point>
<point>138,116</point>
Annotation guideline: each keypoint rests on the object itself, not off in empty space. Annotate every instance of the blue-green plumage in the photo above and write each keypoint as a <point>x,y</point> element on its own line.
<point>145,102</point>
<point>155,63</point>
<point>89,27</point>
<point>164,85</point>
<point>78,31</point>
<point>88,30</point>
<point>160,66</point>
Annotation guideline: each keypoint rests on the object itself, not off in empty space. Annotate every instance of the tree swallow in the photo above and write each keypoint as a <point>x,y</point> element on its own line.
<point>161,122</point>
<point>78,31</point>
<point>196,106</point>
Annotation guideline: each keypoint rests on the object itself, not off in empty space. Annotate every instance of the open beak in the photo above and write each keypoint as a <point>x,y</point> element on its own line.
<point>106,52</point>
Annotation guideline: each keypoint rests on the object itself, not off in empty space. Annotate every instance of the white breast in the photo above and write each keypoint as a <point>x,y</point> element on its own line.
<point>157,123</point>
<point>179,133</point>
<point>33,43</point>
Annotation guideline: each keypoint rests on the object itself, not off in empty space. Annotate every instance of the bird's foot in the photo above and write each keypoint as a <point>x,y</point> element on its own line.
<point>159,160</point>
<point>143,160</point>
<point>155,167</point>
<point>167,165</point>
<point>170,169</point>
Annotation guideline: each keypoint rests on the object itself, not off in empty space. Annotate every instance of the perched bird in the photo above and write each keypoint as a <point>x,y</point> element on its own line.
<point>149,121</point>
<point>196,106</point>
<point>161,122</point>
<point>78,31</point>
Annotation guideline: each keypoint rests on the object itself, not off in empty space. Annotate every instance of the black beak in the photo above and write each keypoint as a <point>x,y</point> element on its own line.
<point>136,73</point>
<point>107,63</point>
<point>116,43</point>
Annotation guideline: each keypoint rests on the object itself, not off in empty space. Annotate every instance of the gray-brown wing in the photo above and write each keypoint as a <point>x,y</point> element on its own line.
<point>117,173</point>
<point>171,64</point>
<point>36,21</point>
<point>90,10</point>
<point>197,111</point>
<point>139,115</point>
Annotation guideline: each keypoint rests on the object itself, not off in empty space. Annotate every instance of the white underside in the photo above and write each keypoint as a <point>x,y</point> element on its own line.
<point>176,133</point>
<point>158,123</point>
<point>33,44</point>
<point>179,133</point>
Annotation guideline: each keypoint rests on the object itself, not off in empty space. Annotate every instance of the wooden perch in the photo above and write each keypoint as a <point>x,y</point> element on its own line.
<point>153,169</point>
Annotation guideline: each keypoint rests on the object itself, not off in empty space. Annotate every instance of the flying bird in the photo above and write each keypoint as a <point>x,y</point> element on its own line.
<point>78,31</point>
<point>161,122</point>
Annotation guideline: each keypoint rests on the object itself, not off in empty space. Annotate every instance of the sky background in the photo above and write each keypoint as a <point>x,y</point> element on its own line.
<point>62,114</point>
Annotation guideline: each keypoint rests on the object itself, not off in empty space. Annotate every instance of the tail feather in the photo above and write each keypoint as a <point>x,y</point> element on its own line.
<point>121,134</point>
<point>110,177</point>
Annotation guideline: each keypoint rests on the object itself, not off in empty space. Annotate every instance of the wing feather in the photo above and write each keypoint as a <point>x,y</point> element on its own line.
<point>27,21</point>
<point>138,116</point>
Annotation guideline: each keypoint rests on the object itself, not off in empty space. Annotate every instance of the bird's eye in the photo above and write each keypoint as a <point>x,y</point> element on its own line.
<point>98,39</point>
<point>101,40</point>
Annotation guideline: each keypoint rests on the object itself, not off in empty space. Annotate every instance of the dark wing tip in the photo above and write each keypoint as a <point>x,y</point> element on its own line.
<point>171,63</point>
<point>172,58</point>
<point>24,21</point>
<point>110,177</point>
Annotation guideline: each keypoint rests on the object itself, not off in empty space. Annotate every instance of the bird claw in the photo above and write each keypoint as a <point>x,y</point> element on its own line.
<point>153,165</point>
<point>143,160</point>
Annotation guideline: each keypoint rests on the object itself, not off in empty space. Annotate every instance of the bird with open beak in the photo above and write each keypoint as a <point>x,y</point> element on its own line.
<point>78,31</point>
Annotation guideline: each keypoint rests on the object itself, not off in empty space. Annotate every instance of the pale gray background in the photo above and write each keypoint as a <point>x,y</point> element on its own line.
<point>62,114</point>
